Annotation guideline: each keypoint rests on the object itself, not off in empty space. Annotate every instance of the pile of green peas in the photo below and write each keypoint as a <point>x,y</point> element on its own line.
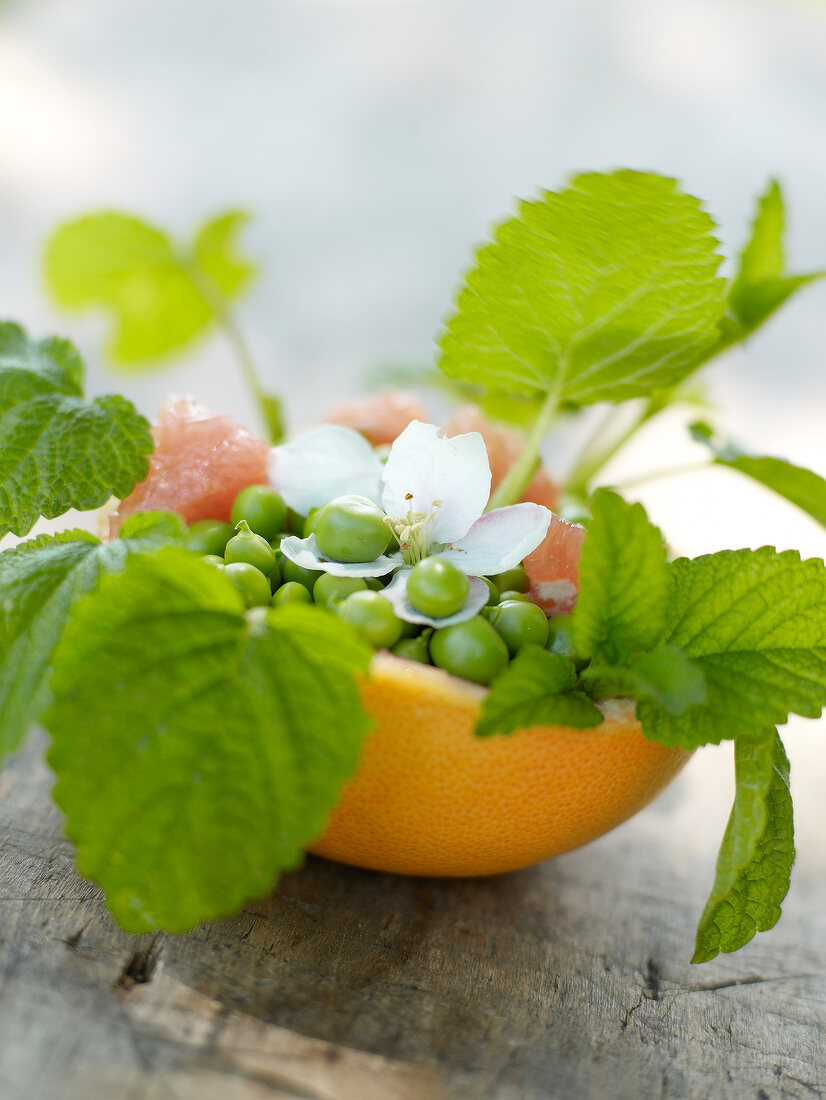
<point>247,550</point>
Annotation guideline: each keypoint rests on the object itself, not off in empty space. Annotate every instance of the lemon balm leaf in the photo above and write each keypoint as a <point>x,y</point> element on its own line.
<point>798,485</point>
<point>218,256</point>
<point>762,284</point>
<point>754,624</point>
<point>601,292</point>
<point>757,853</point>
<point>624,582</point>
<point>39,582</point>
<point>198,749</point>
<point>60,450</point>
<point>535,689</point>
<point>159,295</point>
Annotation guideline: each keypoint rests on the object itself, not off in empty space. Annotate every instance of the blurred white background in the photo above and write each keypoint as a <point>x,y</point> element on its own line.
<point>375,141</point>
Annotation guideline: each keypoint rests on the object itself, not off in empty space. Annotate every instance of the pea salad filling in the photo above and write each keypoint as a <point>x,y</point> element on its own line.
<point>398,544</point>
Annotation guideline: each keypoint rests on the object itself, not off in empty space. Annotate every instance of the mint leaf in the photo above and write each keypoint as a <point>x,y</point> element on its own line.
<point>601,292</point>
<point>798,485</point>
<point>757,853</point>
<point>762,285</point>
<point>160,296</point>
<point>534,690</point>
<point>624,582</point>
<point>218,256</point>
<point>39,582</point>
<point>59,450</point>
<point>198,749</point>
<point>670,678</point>
<point>754,623</point>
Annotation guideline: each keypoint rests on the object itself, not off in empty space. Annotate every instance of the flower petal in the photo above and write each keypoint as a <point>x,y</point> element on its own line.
<point>305,553</point>
<point>499,540</point>
<point>424,467</point>
<point>396,593</point>
<point>324,463</point>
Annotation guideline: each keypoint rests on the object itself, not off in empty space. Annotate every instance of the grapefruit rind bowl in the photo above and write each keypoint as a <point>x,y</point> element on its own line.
<point>432,798</point>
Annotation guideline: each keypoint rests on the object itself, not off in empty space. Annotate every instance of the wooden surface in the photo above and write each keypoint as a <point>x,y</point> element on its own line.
<point>570,979</point>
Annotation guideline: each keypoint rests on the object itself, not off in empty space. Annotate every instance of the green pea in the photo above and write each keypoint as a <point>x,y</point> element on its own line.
<point>309,523</point>
<point>291,592</point>
<point>214,561</point>
<point>560,635</point>
<point>410,630</point>
<point>472,650</point>
<point>209,536</point>
<point>250,582</point>
<point>520,623</point>
<point>515,580</point>
<point>373,617</point>
<point>250,548</point>
<point>351,529</point>
<point>275,575</point>
<point>437,588</point>
<point>374,584</point>
<point>262,508</point>
<point>414,649</point>
<point>294,523</point>
<point>329,590</point>
<point>514,595</point>
<point>292,572</point>
<point>493,592</point>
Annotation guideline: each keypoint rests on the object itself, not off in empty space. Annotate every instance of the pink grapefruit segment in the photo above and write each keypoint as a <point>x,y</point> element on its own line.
<point>200,464</point>
<point>381,418</point>
<point>553,567</point>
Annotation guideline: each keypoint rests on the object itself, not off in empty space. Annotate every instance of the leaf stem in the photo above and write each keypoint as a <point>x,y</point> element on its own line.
<point>655,475</point>
<point>593,458</point>
<point>520,474</point>
<point>269,406</point>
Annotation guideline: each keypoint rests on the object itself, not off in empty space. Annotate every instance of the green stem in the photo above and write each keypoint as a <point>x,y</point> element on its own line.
<point>269,406</point>
<point>655,475</point>
<point>519,476</point>
<point>594,458</point>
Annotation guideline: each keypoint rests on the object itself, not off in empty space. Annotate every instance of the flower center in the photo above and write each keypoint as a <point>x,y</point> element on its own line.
<point>413,533</point>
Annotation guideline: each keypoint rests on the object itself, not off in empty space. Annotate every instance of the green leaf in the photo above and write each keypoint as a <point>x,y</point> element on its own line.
<point>762,285</point>
<point>159,296</point>
<point>39,582</point>
<point>601,292</point>
<point>754,622</point>
<point>535,690</point>
<point>670,678</point>
<point>59,450</point>
<point>624,582</point>
<point>798,485</point>
<point>757,853</point>
<point>218,256</point>
<point>198,749</point>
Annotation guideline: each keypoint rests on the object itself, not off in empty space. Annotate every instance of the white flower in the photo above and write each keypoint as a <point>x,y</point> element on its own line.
<point>433,491</point>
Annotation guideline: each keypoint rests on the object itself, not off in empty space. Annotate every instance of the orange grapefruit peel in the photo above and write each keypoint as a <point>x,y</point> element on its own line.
<point>432,798</point>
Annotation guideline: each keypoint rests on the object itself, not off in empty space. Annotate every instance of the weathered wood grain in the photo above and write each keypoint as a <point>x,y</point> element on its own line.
<point>567,980</point>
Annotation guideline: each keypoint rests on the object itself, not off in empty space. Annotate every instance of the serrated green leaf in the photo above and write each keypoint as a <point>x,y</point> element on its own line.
<point>59,450</point>
<point>198,749</point>
<point>757,853</point>
<point>762,285</point>
<point>670,678</point>
<point>535,690</point>
<point>754,622</point>
<point>798,485</point>
<point>159,296</point>
<point>217,253</point>
<point>601,292</point>
<point>39,582</point>
<point>624,582</point>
